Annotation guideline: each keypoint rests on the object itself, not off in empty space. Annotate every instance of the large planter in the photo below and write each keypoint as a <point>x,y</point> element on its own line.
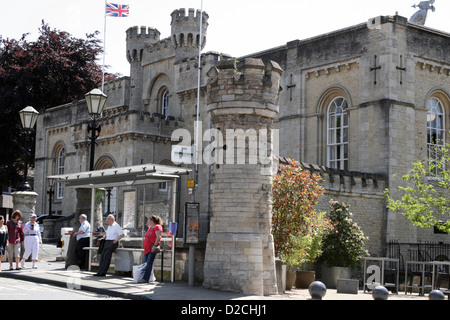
<point>330,275</point>
<point>290,279</point>
<point>304,279</point>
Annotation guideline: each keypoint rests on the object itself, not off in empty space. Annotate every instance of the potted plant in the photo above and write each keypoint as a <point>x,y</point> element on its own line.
<point>343,247</point>
<point>305,274</point>
<point>295,222</point>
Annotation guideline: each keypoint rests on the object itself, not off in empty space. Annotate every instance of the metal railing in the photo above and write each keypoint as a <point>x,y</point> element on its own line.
<point>421,251</point>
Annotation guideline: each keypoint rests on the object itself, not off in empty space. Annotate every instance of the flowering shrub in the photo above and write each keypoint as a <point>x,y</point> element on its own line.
<point>296,226</point>
<point>344,246</point>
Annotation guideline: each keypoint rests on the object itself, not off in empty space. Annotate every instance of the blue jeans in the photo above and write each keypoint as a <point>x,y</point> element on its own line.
<point>149,258</point>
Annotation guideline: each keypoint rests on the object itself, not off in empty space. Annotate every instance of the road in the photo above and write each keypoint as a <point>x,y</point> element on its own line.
<point>13,289</point>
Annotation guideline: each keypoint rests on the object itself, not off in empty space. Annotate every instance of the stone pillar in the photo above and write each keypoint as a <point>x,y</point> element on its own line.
<point>25,201</point>
<point>243,101</point>
<point>50,236</point>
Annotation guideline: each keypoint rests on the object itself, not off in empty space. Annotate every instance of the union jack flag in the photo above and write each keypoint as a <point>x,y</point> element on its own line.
<point>117,10</point>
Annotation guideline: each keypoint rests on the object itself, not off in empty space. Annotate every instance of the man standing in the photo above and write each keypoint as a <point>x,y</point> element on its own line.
<point>83,238</point>
<point>15,238</point>
<point>113,235</point>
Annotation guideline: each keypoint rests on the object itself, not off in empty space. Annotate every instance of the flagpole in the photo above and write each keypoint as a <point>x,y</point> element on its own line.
<point>198,96</point>
<point>104,49</point>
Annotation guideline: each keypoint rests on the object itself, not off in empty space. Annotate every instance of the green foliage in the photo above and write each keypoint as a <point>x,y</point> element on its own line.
<point>344,246</point>
<point>425,198</point>
<point>296,226</point>
<point>53,70</point>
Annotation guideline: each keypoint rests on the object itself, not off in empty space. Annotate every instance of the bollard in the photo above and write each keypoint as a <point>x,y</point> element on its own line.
<point>436,295</point>
<point>317,290</point>
<point>380,293</point>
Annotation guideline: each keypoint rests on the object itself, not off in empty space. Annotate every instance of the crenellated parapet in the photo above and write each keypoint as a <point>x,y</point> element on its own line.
<point>142,33</point>
<point>186,29</point>
<point>137,39</point>
<point>247,87</point>
<point>345,180</point>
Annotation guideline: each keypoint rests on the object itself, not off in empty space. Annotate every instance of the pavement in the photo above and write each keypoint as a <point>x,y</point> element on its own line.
<point>51,271</point>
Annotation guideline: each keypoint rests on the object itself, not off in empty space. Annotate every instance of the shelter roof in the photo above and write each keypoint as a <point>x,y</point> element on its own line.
<point>124,176</point>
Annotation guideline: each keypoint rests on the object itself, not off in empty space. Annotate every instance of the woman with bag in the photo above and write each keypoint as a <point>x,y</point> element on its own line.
<point>152,241</point>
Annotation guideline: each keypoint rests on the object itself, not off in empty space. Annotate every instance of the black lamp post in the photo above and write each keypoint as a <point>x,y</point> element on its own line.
<point>28,117</point>
<point>95,101</point>
<point>108,205</point>
<point>50,193</point>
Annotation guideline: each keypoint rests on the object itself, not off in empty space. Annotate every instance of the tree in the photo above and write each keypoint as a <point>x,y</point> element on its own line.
<point>297,227</point>
<point>425,199</point>
<point>344,245</point>
<point>53,70</point>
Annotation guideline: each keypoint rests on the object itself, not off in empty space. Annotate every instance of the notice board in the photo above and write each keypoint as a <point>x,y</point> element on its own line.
<point>191,213</point>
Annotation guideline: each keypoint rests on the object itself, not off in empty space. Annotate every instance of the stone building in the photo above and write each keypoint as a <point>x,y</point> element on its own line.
<point>358,106</point>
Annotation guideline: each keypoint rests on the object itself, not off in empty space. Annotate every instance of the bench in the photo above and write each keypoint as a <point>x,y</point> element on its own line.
<point>124,260</point>
<point>123,257</point>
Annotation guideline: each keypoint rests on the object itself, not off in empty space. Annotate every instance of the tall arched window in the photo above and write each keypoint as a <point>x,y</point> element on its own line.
<point>435,129</point>
<point>165,103</point>
<point>60,167</point>
<point>337,134</point>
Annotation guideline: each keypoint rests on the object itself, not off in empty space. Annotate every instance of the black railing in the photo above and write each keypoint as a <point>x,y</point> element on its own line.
<point>422,251</point>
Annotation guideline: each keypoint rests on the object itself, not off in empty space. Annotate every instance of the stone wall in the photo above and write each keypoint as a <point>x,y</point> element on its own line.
<point>364,192</point>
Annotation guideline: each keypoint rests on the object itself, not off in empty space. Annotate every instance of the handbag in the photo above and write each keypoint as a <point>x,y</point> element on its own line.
<point>155,249</point>
<point>139,272</point>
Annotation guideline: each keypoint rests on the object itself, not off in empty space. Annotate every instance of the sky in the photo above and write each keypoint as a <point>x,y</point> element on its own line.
<point>236,27</point>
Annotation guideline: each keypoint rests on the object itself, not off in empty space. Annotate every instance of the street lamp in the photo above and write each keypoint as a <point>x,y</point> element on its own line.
<point>95,101</point>
<point>28,117</point>
<point>50,192</point>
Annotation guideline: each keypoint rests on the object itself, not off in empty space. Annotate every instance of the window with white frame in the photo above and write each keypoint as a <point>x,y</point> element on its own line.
<point>165,103</point>
<point>60,164</point>
<point>162,187</point>
<point>435,131</point>
<point>337,134</point>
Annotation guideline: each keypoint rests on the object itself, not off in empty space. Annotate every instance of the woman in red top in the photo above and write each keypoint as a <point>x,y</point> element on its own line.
<point>15,238</point>
<point>151,244</point>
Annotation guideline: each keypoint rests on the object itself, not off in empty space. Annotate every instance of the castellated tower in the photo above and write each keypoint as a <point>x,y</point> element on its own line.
<point>137,40</point>
<point>186,32</point>
<point>242,98</point>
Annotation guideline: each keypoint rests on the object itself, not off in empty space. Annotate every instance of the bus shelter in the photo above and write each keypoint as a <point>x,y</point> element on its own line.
<point>138,176</point>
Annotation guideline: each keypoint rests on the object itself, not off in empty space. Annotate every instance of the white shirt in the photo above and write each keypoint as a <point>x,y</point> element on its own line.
<point>36,231</point>
<point>114,231</point>
<point>86,227</point>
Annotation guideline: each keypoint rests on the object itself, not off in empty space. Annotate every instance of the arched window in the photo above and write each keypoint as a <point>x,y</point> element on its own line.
<point>435,130</point>
<point>60,167</point>
<point>165,103</point>
<point>107,161</point>
<point>337,134</point>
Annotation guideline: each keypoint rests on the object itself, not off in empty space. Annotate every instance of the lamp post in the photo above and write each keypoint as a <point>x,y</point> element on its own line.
<point>50,193</point>
<point>28,117</point>
<point>95,101</point>
<point>108,204</point>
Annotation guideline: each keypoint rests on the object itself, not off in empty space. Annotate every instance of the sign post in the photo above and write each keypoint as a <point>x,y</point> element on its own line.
<point>191,213</point>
